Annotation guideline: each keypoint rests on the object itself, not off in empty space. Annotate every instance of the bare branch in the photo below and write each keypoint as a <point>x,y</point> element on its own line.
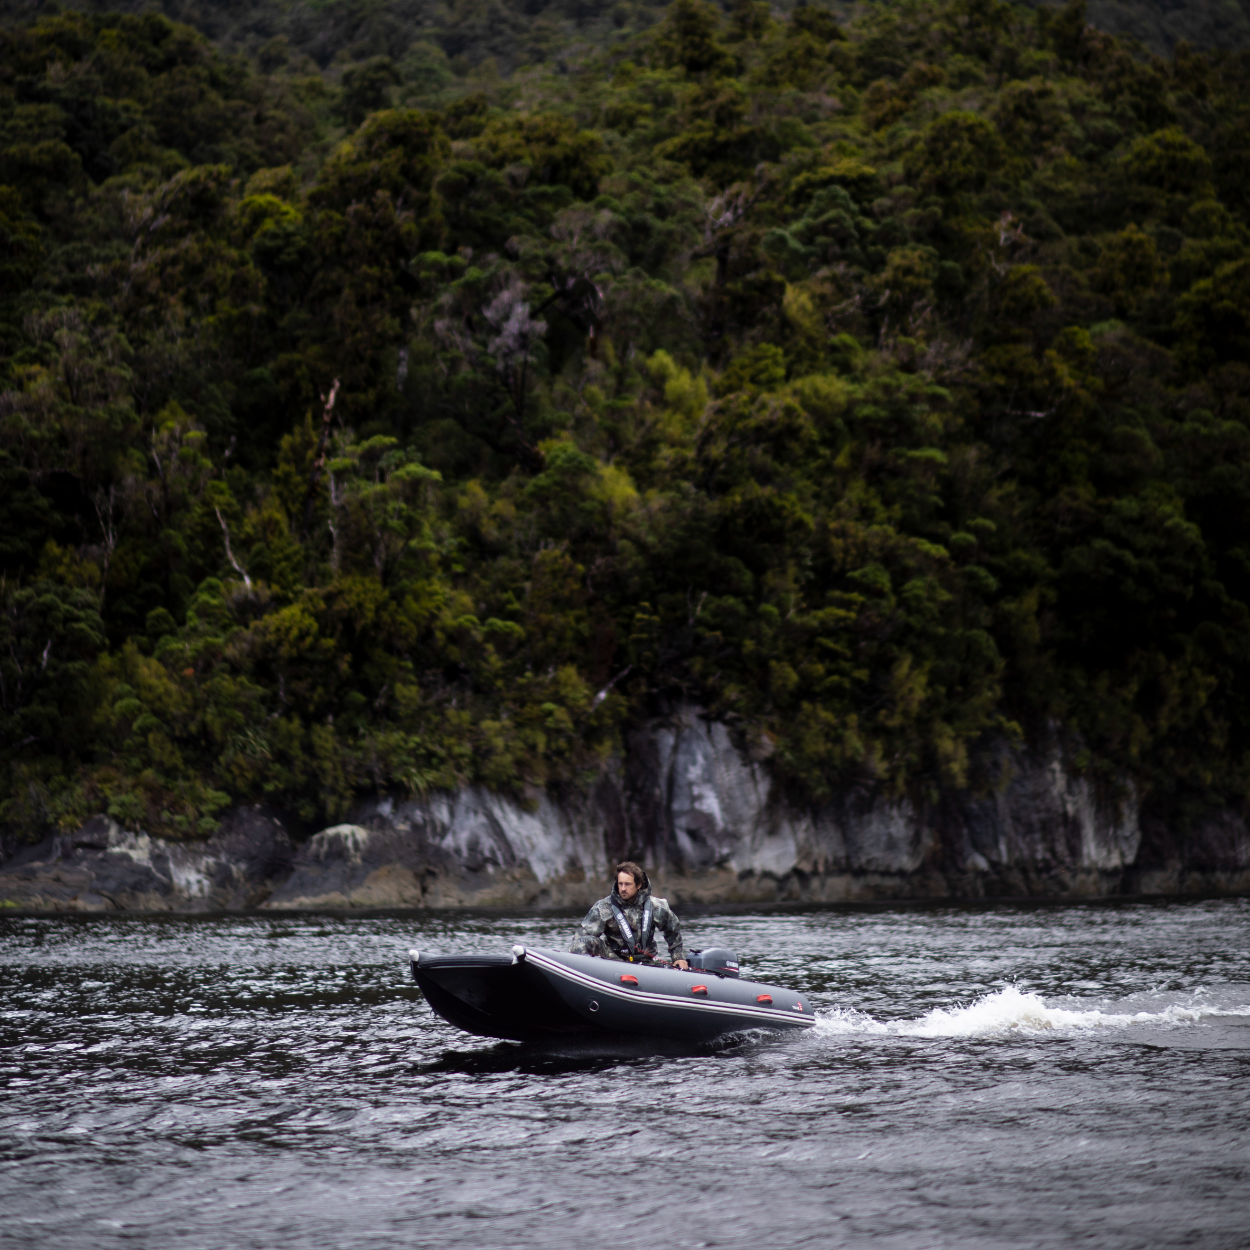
<point>319,460</point>
<point>238,568</point>
<point>693,610</point>
<point>603,694</point>
<point>105,507</point>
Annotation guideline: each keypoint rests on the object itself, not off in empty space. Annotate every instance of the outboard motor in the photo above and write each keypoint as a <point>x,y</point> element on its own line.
<point>719,960</point>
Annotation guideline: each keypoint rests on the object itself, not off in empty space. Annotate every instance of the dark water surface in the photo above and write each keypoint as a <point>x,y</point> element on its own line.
<point>1005,1076</point>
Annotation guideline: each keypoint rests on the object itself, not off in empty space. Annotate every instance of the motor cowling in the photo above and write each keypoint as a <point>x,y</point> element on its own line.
<point>718,960</point>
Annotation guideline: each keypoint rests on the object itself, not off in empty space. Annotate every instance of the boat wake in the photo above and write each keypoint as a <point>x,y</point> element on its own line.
<point>1012,1010</point>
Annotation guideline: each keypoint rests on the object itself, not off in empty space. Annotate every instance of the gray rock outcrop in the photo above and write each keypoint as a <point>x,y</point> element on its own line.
<point>103,867</point>
<point>473,848</point>
<point>705,819</point>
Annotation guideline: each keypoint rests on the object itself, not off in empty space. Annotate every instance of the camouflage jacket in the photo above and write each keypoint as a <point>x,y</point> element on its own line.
<point>600,934</point>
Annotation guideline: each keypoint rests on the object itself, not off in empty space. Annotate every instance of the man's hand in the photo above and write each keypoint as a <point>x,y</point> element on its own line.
<point>682,964</point>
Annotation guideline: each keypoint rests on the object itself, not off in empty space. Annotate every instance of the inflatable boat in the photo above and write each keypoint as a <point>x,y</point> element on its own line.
<point>537,995</point>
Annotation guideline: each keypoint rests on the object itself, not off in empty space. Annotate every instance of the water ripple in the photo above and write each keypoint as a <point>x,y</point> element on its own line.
<point>978,1077</point>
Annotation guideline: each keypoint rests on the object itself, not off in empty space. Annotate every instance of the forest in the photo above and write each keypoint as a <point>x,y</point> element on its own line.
<point>391,419</point>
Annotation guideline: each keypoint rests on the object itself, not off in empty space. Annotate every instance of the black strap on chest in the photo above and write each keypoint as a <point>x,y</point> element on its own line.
<point>635,949</point>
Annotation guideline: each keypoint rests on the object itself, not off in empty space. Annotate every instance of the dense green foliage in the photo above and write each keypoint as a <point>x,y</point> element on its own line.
<point>1161,24</point>
<point>880,387</point>
<point>431,42</point>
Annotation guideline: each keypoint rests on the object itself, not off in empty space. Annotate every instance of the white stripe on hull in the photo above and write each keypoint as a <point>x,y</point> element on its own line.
<point>704,1006</point>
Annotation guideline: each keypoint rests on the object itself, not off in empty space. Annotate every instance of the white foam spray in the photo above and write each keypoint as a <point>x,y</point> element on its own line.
<point>1012,1010</point>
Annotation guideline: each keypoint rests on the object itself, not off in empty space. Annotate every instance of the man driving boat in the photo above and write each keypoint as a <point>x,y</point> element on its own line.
<point>623,925</point>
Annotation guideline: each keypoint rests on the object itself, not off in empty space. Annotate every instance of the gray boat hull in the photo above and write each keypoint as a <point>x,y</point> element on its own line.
<point>536,995</point>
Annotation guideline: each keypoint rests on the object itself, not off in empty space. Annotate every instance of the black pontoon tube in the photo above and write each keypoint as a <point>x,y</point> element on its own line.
<point>532,993</point>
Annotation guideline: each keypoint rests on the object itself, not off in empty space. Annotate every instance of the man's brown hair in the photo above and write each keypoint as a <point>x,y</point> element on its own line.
<point>634,871</point>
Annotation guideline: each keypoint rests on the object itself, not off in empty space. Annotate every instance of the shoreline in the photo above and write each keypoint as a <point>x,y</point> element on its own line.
<point>708,821</point>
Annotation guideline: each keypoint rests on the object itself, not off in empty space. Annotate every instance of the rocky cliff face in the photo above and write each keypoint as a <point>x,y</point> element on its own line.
<point>103,867</point>
<point>703,818</point>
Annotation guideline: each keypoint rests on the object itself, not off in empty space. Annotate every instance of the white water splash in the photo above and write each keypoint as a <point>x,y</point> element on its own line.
<point>841,1020</point>
<point>1012,1010</point>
